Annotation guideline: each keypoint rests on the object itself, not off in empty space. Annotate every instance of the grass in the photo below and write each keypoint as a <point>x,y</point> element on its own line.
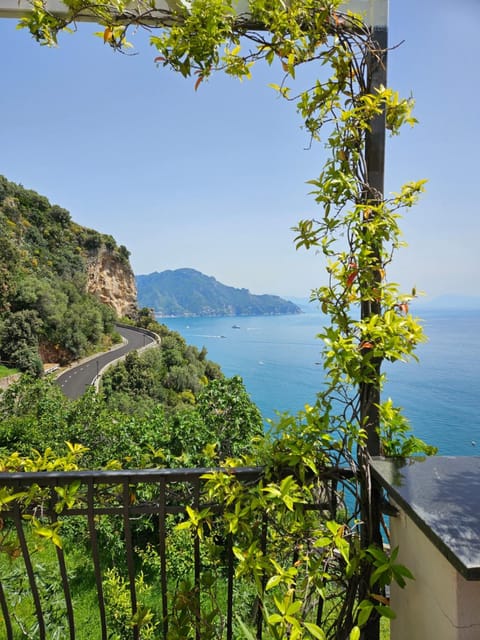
<point>18,592</point>
<point>6,371</point>
<point>82,585</point>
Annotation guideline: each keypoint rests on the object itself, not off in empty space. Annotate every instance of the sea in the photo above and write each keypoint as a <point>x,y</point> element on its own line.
<point>279,359</point>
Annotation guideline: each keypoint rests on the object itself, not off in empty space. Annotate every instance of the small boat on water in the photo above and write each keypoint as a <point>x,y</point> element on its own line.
<point>235,326</point>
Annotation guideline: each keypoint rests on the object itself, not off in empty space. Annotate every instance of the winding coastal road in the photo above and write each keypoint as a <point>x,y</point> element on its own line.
<point>77,378</point>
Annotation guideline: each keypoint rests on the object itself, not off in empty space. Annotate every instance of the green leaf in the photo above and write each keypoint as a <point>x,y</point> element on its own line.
<point>355,634</point>
<point>273,582</point>
<point>378,554</point>
<point>401,570</point>
<point>275,618</point>
<point>385,611</point>
<point>378,573</point>
<point>294,607</point>
<point>366,609</point>
<point>315,630</point>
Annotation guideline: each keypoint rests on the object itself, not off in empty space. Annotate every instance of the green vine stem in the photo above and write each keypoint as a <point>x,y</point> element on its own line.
<point>368,319</point>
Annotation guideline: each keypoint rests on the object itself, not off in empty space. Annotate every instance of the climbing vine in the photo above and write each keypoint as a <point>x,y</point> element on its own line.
<point>368,319</point>
<point>357,228</point>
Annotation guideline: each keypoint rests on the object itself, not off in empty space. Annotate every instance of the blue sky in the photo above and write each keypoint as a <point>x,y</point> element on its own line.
<point>215,179</point>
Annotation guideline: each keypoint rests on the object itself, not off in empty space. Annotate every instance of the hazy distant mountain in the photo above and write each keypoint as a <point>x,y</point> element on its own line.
<point>187,292</point>
<point>450,301</point>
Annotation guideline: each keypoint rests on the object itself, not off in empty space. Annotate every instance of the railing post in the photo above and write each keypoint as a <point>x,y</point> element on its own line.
<point>163,556</point>
<point>129,553</point>
<point>96,556</point>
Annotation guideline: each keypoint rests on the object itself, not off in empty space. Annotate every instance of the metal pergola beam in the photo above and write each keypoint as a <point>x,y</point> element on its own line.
<point>375,12</point>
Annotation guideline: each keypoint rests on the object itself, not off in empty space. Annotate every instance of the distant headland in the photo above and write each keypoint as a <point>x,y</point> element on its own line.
<point>189,293</point>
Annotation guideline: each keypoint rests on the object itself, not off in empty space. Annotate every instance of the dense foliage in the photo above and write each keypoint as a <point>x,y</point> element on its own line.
<point>45,311</point>
<point>162,407</point>
<point>169,407</point>
<point>187,292</point>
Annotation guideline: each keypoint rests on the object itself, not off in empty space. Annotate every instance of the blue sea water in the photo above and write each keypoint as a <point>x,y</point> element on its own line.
<point>279,359</point>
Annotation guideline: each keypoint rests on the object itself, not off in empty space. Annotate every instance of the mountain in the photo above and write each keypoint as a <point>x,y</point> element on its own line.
<point>187,292</point>
<point>450,301</point>
<point>61,285</point>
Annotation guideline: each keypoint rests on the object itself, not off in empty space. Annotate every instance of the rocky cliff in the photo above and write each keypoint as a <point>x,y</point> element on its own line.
<point>49,268</point>
<point>111,280</point>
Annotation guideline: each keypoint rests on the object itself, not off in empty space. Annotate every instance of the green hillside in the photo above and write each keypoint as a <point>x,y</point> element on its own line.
<point>45,311</point>
<point>187,292</point>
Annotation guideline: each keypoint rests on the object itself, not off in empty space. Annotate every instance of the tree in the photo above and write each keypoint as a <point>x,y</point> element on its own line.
<point>19,343</point>
<point>60,215</point>
<point>229,414</point>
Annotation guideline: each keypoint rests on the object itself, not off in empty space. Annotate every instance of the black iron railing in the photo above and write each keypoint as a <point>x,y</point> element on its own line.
<point>83,502</point>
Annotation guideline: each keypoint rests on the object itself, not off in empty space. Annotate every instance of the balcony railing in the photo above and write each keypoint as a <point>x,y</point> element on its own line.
<point>131,506</point>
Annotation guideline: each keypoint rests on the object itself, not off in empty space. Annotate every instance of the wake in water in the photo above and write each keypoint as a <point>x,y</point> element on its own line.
<point>279,359</point>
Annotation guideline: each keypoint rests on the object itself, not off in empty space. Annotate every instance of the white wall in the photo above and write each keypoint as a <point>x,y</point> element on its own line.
<point>439,604</point>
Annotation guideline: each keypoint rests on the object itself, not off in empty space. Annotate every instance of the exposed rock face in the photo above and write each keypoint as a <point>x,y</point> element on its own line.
<point>112,281</point>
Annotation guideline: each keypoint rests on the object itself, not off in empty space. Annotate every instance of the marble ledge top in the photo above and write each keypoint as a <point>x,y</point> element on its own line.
<point>441,494</point>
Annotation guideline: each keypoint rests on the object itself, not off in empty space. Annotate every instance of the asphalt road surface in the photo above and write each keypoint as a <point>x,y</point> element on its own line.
<point>78,378</point>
